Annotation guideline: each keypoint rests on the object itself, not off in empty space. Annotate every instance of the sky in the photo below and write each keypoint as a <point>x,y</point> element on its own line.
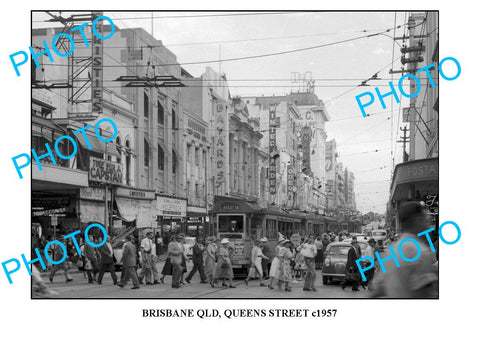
<point>365,145</point>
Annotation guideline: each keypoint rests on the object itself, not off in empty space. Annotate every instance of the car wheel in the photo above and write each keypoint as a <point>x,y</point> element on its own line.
<point>325,280</point>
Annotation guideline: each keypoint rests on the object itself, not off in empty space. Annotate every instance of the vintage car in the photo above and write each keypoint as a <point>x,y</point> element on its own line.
<point>363,243</point>
<point>380,235</point>
<point>335,261</point>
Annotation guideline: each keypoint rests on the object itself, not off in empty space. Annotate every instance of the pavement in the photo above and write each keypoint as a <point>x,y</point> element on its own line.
<point>80,288</point>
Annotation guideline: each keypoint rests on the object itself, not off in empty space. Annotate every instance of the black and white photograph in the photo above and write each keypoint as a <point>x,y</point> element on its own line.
<point>224,163</point>
<point>238,170</point>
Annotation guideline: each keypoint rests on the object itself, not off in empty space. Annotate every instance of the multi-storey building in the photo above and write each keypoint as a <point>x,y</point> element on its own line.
<point>417,177</point>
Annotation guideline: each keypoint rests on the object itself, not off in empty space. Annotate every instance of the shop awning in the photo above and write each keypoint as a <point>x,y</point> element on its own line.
<point>97,145</point>
<point>140,210</point>
<point>112,150</point>
<point>411,178</point>
<point>45,128</point>
<point>127,208</point>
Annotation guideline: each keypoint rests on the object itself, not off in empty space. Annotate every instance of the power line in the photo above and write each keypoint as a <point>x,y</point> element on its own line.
<point>194,16</point>
<point>255,56</point>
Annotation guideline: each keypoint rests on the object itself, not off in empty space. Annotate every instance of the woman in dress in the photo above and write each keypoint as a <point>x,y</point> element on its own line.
<point>167,267</point>
<point>224,268</point>
<point>285,255</point>
<point>275,265</point>
<point>210,258</point>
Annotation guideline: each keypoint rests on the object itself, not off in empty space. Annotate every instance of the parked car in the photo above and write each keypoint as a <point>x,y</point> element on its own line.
<point>335,261</point>
<point>380,235</point>
<point>362,242</point>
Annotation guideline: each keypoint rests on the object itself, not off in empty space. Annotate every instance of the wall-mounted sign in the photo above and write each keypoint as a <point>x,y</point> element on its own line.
<point>94,194</point>
<point>306,139</point>
<point>97,67</point>
<point>104,171</point>
<point>272,147</point>
<point>221,121</point>
<point>167,206</point>
<point>290,183</point>
<point>136,194</point>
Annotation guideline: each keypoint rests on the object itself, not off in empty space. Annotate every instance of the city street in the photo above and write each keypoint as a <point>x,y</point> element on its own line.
<point>80,288</point>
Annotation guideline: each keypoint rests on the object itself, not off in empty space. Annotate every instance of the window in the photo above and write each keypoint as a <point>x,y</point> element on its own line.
<point>174,119</point>
<point>146,152</point>
<point>160,113</point>
<point>146,104</point>
<point>119,149</point>
<point>174,162</point>
<point>161,159</point>
<point>128,161</point>
<point>197,157</point>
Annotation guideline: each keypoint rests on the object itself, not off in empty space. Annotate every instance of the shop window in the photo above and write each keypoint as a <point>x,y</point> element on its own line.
<point>161,158</point>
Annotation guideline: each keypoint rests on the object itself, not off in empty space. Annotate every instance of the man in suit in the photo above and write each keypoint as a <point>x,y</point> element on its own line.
<point>175,253</point>
<point>351,270</point>
<point>106,261</point>
<point>129,260</point>
<point>197,259</point>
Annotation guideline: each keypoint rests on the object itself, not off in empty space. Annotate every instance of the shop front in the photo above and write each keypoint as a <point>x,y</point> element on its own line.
<point>416,181</point>
<point>134,207</point>
<point>196,223</point>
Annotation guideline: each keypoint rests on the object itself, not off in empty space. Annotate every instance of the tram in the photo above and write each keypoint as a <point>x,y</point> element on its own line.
<point>242,222</point>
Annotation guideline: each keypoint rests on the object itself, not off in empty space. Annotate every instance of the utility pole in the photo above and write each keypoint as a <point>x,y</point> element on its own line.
<point>404,139</point>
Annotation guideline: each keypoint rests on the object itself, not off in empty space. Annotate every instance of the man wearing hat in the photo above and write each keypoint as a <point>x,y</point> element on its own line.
<point>197,259</point>
<point>370,251</point>
<point>175,253</point>
<point>266,252</point>
<point>129,261</point>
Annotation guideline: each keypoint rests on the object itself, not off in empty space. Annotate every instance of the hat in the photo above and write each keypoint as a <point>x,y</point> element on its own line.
<point>281,238</point>
<point>211,239</point>
<point>224,241</point>
<point>372,240</point>
<point>286,241</point>
<point>263,239</point>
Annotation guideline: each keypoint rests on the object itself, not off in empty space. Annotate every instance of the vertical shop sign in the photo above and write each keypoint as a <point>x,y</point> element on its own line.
<point>272,168</point>
<point>290,181</point>
<point>306,138</point>
<point>97,67</point>
<point>221,132</point>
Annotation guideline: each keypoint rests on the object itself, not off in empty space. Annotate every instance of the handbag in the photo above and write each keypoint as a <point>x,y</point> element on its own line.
<point>225,265</point>
<point>88,265</point>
